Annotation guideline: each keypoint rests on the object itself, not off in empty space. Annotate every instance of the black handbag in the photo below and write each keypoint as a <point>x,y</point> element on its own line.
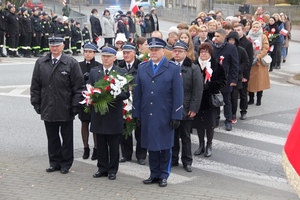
<point>216,100</point>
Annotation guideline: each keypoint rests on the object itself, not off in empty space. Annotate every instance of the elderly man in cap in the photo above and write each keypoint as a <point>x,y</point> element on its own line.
<point>108,127</point>
<point>89,52</point>
<point>157,109</point>
<point>131,63</point>
<point>56,86</point>
<point>193,87</point>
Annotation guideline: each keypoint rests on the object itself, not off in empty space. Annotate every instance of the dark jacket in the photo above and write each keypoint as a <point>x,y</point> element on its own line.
<point>85,35</point>
<point>13,24</point>
<point>111,122</point>
<point>133,68</point>
<point>56,90</point>
<point>153,24</point>
<point>197,42</point>
<point>243,57</point>
<point>193,87</point>
<point>230,63</point>
<point>121,28</point>
<point>131,25</point>
<point>3,21</point>
<point>95,26</point>
<point>26,25</point>
<point>147,26</point>
<point>36,23</point>
<point>247,45</point>
<point>87,68</point>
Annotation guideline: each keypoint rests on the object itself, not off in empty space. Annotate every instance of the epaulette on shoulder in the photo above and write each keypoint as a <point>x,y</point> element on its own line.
<point>143,62</point>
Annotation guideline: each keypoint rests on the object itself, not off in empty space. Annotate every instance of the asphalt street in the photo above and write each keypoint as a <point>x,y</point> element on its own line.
<point>246,162</point>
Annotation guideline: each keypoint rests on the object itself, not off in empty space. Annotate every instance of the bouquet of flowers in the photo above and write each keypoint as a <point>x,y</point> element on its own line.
<point>144,57</point>
<point>105,91</point>
<point>271,35</point>
<point>127,116</point>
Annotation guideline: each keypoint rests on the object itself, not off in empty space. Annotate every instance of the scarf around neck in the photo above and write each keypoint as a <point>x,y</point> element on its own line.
<point>256,37</point>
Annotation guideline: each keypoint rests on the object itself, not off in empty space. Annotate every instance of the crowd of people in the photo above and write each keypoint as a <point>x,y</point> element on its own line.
<point>175,79</point>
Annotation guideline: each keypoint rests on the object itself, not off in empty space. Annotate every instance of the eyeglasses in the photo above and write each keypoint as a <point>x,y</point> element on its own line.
<point>119,43</point>
<point>178,51</point>
<point>203,31</point>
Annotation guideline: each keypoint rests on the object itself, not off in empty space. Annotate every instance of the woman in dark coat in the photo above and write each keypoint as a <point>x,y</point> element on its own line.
<point>95,26</point>
<point>206,119</point>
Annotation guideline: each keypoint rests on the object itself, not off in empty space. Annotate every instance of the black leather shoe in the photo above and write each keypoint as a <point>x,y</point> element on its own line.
<point>200,150</point>
<point>64,171</point>
<point>123,159</point>
<point>163,182</point>
<point>99,174</point>
<point>141,161</point>
<point>151,180</point>
<point>112,176</point>
<point>175,164</point>
<point>52,169</point>
<point>188,168</point>
<point>208,151</point>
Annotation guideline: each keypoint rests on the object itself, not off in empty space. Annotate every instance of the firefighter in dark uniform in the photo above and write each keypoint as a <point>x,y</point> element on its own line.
<point>37,31</point>
<point>26,34</point>
<point>86,37</point>
<point>79,38</point>
<point>67,35</point>
<point>56,86</point>
<point>74,36</point>
<point>54,26</point>
<point>13,31</point>
<point>2,30</point>
<point>46,31</point>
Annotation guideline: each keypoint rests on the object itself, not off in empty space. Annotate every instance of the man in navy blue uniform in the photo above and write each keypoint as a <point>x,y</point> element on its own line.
<point>157,109</point>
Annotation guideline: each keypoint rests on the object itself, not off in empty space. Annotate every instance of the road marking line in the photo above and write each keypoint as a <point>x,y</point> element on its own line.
<point>268,124</point>
<point>244,151</point>
<point>280,84</point>
<point>15,95</point>
<point>253,135</point>
<point>241,174</point>
<point>18,90</point>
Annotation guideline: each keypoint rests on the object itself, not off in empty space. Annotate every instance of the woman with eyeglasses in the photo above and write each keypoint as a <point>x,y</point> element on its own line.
<point>214,80</point>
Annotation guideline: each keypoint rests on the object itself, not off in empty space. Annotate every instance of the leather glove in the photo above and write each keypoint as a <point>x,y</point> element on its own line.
<point>86,76</point>
<point>37,109</point>
<point>138,122</point>
<point>175,124</point>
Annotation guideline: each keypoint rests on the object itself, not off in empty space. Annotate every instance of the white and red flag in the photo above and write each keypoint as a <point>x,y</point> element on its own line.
<point>64,2</point>
<point>290,156</point>
<point>133,7</point>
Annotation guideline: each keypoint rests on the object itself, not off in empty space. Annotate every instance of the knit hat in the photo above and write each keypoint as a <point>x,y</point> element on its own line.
<point>120,37</point>
<point>23,9</point>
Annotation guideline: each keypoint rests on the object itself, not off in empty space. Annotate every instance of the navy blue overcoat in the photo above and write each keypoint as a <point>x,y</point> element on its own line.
<point>158,99</point>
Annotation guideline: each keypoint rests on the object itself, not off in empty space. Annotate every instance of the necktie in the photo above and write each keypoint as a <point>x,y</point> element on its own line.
<point>128,66</point>
<point>54,60</point>
<point>155,65</point>
<point>106,72</point>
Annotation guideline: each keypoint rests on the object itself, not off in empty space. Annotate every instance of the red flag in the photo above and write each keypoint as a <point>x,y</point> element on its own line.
<point>290,156</point>
<point>133,7</point>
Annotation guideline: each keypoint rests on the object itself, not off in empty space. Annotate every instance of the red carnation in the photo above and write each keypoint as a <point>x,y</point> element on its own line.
<point>105,77</point>
<point>107,88</point>
<point>112,81</point>
<point>128,119</point>
<point>124,112</point>
<point>146,59</point>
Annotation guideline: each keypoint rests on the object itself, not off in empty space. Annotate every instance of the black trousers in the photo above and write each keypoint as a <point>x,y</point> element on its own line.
<point>61,153</point>
<point>209,135</point>
<point>13,41</point>
<point>108,40</point>
<point>127,146</point>
<point>244,97</point>
<point>108,153</point>
<point>1,38</point>
<point>183,131</point>
<point>36,42</point>
<point>160,163</point>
